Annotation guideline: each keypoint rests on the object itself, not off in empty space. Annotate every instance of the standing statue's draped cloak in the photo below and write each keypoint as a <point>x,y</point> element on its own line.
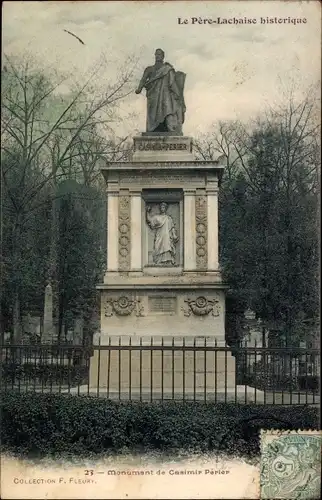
<point>164,92</point>
<point>164,239</point>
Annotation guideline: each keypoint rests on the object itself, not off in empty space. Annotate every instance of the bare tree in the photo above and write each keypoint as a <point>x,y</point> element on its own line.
<point>42,131</point>
<point>226,142</point>
<point>269,226</point>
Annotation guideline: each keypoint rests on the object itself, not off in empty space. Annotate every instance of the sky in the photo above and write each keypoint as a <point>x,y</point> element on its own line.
<point>233,71</point>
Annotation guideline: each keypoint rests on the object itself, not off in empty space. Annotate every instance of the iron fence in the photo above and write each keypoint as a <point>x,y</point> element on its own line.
<point>166,371</point>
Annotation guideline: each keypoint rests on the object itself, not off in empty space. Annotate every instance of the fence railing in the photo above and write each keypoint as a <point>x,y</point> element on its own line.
<point>166,371</point>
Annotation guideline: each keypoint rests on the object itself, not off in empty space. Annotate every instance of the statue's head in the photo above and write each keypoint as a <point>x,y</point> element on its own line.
<point>159,55</point>
<point>163,207</point>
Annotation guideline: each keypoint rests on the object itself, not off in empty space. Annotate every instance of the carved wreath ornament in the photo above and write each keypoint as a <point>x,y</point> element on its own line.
<point>123,306</point>
<point>201,306</point>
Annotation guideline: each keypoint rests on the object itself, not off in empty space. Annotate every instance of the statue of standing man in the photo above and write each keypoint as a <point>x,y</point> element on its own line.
<point>164,92</point>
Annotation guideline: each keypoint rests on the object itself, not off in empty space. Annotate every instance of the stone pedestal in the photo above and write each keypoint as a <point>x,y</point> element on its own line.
<point>154,148</point>
<point>167,372</point>
<point>178,296</point>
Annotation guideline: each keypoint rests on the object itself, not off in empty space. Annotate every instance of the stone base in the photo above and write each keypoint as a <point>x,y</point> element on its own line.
<point>162,147</point>
<point>146,310</point>
<point>49,337</point>
<point>240,394</point>
<point>136,368</point>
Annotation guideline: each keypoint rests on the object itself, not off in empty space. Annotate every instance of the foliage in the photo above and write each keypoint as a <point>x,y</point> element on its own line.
<point>52,130</point>
<point>268,217</point>
<point>43,373</point>
<point>82,223</point>
<point>38,424</point>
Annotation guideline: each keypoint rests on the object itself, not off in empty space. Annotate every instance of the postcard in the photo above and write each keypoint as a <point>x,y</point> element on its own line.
<point>159,301</point>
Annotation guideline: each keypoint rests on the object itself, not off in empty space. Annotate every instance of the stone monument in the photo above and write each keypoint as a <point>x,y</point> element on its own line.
<point>48,335</point>
<point>163,283</point>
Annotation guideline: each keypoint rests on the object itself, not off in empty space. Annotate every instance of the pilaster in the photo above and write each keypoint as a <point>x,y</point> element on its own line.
<point>201,225</point>
<point>136,229</point>
<point>112,225</point>
<point>124,230</point>
<point>189,211</point>
<point>212,215</point>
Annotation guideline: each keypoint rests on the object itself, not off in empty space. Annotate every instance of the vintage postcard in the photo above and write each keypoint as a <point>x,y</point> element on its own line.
<point>159,295</point>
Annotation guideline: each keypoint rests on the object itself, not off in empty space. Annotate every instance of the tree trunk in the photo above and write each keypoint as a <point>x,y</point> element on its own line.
<point>52,270</point>
<point>16,259</point>
<point>16,317</point>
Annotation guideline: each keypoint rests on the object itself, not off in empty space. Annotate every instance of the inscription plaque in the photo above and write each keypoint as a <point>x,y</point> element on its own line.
<point>162,179</point>
<point>157,146</point>
<point>162,304</point>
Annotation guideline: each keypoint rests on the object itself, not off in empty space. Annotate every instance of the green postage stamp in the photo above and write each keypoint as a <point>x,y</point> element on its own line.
<point>290,465</point>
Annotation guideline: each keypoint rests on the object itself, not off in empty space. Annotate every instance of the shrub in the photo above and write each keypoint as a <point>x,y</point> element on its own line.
<point>49,424</point>
<point>14,373</point>
<point>309,383</point>
<point>271,376</point>
<point>268,381</point>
